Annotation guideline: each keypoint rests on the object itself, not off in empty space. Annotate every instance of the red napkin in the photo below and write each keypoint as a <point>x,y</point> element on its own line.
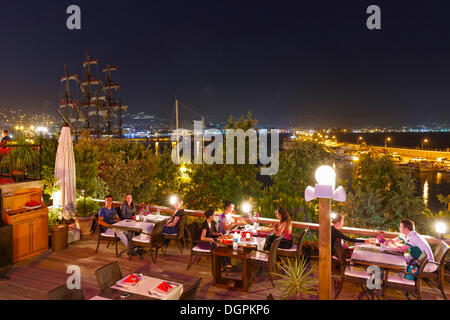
<point>164,286</point>
<point>131,279</point>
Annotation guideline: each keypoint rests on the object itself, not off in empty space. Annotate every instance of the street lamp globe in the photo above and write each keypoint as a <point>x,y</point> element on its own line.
<point>173,200</point>
<point>440,227</point>
<point>246,207</point>
<point>325,175</point>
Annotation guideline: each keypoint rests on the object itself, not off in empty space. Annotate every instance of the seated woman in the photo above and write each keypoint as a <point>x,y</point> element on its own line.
<point>171,225</point>
<point>337,223</point>
<point>281,228</point>
<point>127,208</point>
<point>209,231</point>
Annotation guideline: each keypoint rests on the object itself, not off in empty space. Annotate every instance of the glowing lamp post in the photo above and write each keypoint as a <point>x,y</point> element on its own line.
<point>388,139</point>
<point>441,229</point>
<point>173,200</point>
<point>246,207</point>
<point>325,190</point>
<point>424,141</point>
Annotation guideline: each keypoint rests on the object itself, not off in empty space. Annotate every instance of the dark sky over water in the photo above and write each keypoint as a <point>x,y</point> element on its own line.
<point>306,63</point>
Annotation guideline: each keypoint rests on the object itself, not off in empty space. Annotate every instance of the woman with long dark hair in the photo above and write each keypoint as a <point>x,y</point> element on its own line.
<point>282,228</point>
<point>127,208</point>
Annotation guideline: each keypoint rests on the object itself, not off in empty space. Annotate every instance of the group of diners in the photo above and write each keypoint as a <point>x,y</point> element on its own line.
<point>408,241</point>
<point>108,215</point>
<point>211,229</point>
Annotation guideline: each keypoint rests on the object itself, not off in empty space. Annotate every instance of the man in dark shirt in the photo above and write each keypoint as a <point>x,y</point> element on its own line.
<point>108,216</point>
<point>5,136</point>
<point>338,223</point>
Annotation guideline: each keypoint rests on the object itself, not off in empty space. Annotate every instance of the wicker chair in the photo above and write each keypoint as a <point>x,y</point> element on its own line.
<point>106,237</point>
<point>297,249</point>
<point>193,238</point>
<point>153,242</point>
<point>191,292</point>
<point>269,260</point>
<point>64,293</point>
<point>349,273</point>
<point>436,278</point>
<point>178,236</point>
<point>108,275</point>
<point>396,280</point>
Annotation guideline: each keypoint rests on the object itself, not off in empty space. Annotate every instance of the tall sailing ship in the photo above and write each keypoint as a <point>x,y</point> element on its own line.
<point>99,111</point>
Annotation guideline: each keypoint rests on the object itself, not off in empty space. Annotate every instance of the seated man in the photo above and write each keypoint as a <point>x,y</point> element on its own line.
<point>408,239</point>
<point>226,220</point>
<point>108,216</point>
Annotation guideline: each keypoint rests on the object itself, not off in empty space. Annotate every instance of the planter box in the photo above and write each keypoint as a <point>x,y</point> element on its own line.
<point>73,235</point>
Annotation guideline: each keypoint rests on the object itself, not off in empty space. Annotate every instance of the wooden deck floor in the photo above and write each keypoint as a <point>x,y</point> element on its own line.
<point>34,277</point>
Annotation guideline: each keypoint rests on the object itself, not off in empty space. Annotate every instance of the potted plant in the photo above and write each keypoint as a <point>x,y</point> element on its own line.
<point>85,210</point>
<point>58,231</point>
<point>23,159</point>
<point>296,282</point>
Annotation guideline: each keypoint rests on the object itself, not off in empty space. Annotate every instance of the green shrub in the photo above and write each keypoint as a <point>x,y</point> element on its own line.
<point>86,207</point>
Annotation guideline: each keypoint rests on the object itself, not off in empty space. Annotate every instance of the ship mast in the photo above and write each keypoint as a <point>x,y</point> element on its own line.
<point>95,111</point>
<point>113,108</point>
<point>67,102</point>
<point>86,87</point>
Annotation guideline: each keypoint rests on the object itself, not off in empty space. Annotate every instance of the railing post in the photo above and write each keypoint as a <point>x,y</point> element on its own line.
<point>324,249</point>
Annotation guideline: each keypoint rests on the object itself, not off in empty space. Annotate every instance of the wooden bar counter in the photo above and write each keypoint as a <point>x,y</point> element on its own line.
<point>29,226</point>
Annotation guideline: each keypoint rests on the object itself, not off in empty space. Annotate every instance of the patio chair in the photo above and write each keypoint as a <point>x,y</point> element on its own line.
<point>349,273</point>
<point>396,280</point>
<point>436,278</point>
<point>153,242</point>
<point>106,237</point>
<point>64,293</point>
<point>270,297</point>
<point>190,293</point>
<point>178,236</point>
<point>297,249</point>
<point>269,259</point>
<point>108,275</point>
<point>193,238</point>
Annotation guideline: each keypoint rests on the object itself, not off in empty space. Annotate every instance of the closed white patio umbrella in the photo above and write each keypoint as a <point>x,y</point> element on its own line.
<point>65,174</point>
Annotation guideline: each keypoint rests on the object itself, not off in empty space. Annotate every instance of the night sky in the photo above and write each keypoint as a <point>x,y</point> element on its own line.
<point>306,63</point>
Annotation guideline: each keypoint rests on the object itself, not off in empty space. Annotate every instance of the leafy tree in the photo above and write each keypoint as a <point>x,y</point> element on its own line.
<point>382,195</point>
<point>87,156</point>
<point>127,167</point>
<point>297,167</point>
<point>209,185</point>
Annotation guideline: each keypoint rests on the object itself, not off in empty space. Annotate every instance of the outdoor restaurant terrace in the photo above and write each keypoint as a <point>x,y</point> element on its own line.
<point>35,277</point>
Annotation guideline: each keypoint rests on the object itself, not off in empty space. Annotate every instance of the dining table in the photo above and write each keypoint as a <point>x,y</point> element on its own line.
<point>131,227</point>
<point>387,259</point>
<point>245,247</point>
<point>144,289</point>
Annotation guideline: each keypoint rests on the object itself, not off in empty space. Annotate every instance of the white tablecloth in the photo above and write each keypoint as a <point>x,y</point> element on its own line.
<point>146,227</point>
<point>149,283</point>
<point>155,218</point>
<point>98,298</point>
<point>379,258</point>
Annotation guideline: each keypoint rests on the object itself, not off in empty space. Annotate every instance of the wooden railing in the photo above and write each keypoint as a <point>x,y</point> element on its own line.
<point>295,224</point>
